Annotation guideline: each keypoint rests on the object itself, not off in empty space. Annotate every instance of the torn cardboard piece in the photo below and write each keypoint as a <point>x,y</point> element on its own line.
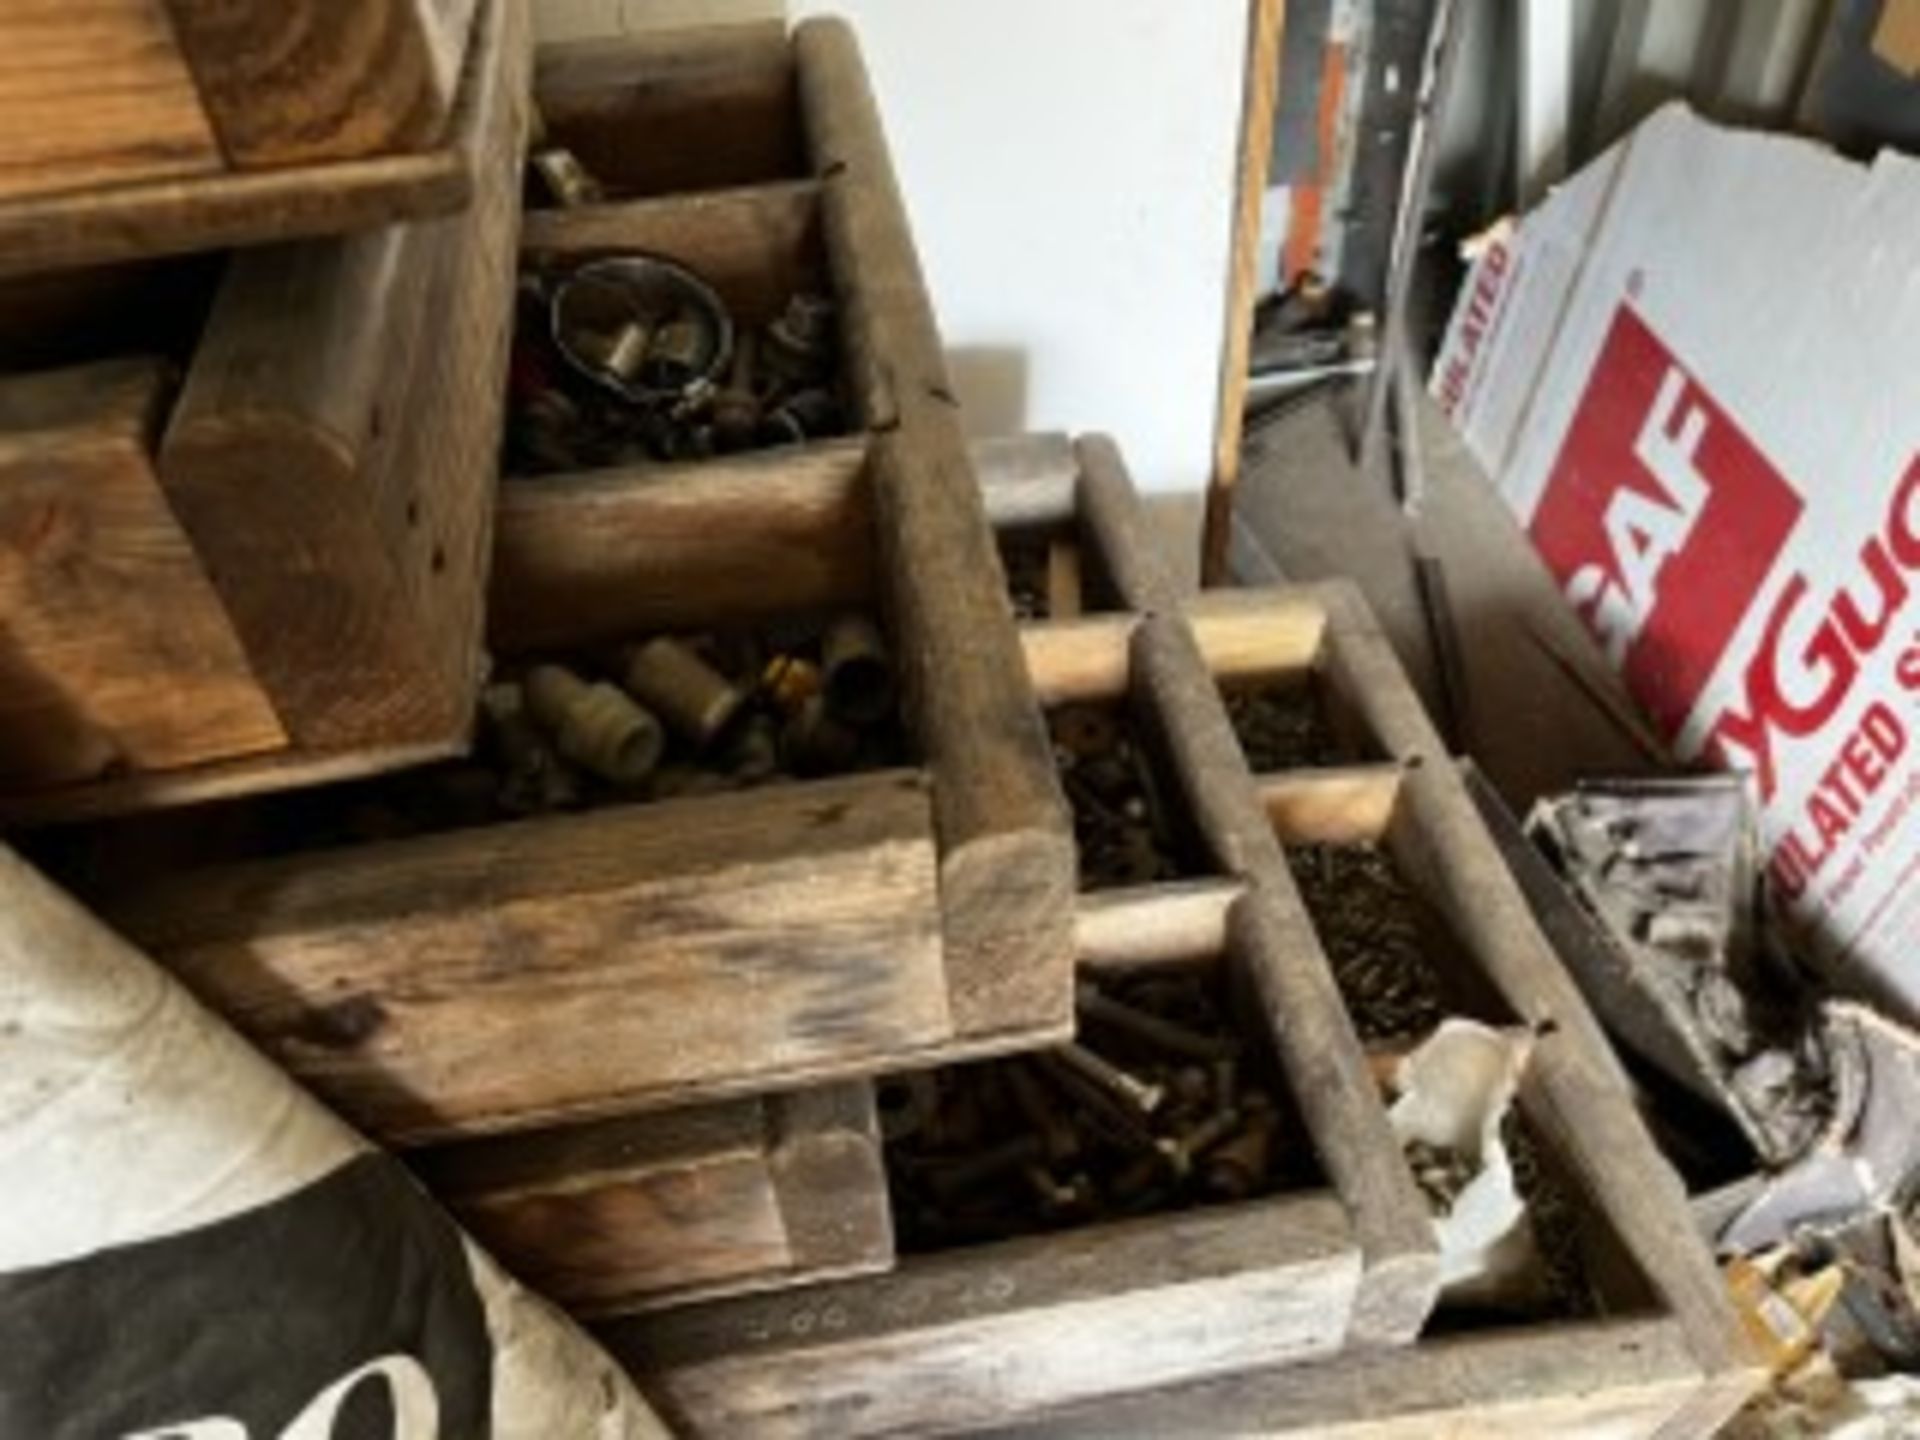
<point>1665,872</point>
<point>1694,374</point>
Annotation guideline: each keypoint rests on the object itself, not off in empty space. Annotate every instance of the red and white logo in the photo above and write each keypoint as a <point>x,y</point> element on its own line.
<point>1660,520</point>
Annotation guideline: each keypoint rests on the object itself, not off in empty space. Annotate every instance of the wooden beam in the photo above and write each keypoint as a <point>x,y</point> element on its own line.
<point>1029,481</point>
<point>580,965</point>
<point>1007,861</point>
<point>1266,25</point>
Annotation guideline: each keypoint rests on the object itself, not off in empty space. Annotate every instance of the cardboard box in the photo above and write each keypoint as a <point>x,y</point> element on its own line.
<point>1694,374</point>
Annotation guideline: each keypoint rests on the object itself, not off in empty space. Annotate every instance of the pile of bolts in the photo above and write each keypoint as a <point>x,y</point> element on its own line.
<point>1159,1105</point>
<point>1120,821</point>
<point>652,366</point>
<point>676,716</point>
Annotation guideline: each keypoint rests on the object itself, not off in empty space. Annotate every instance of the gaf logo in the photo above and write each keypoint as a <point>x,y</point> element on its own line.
<point>1660,520</point>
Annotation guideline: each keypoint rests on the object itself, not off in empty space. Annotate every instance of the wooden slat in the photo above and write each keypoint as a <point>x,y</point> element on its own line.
<point>1007,864</point>
<point>1333,805</point>
<point>1273,941</point>
<point>1242,635</point>
<point>983,1337</point>
<point>524,974</point>
<point>1177,921</point>
<point>634,1212</point>
<point>757,246</point>
<point>1029,481</point>
<point>177,215</point>
<point>1266,25</point>
<point>677,110</point>
<point>1605,1380</point>
<point>115,650</point>
<point>616,553</point>
<point>300,81</point>
<point>95,93</point>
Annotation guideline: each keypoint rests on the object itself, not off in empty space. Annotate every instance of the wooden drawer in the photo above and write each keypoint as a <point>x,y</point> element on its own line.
<point>137,128</point>
<point>717,946</point>
<point>273,573</point>
<point>642,1211</point>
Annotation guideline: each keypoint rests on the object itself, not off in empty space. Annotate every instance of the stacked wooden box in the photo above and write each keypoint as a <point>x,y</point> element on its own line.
<point>635,1047</point>
<point>244,502</point>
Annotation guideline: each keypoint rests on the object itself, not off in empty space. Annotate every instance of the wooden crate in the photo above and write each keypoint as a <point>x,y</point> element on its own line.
<point>137,128</point>
<point>642,1211</point>
<point>276,575</point>
<point>984,1334</point>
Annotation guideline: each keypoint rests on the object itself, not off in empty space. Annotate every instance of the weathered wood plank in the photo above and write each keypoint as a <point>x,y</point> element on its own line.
<point>180,214</point>
<point>988,1336</point>
<point>757,245</point>
<point>301,81</point>
<point>116,651</point>
<point>1116,530</point>
<point>705,108</point>
<point>633,1212</point>
<point>1029,481</point>
<point>600,556</point>
<point>95,93</point>
<point>1607,1380</point>
<point>1175,921</point>
<point>1007,863</point>
<point>582,965</point>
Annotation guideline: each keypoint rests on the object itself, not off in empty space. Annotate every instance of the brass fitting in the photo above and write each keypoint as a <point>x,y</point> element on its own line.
<point>681,688</point>
<point>789,682</point>
<point>569,182</point>
<point>858,673</point>
<point>597,726</point>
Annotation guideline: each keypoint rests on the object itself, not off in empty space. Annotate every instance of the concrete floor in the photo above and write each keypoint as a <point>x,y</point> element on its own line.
<point>1537,706</point>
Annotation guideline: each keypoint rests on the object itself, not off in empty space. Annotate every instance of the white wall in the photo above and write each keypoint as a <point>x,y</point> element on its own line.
<point>1069,166</point>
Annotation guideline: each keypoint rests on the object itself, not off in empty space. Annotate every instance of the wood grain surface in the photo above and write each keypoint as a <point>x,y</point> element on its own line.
<point>115,652</point>
<point>582,965</point>
<point>299,81</point>
<point>95,93</point>
<point>978,1337</point>
<point>638,1211</point>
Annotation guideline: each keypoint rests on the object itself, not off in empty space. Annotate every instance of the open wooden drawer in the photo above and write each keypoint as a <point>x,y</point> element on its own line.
<point>479,973</point>
<point>272,571</point>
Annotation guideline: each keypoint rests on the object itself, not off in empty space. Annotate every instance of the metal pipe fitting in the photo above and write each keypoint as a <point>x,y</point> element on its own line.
<point>858,671</point>
<point>682,689</point>
<point>597,726</point>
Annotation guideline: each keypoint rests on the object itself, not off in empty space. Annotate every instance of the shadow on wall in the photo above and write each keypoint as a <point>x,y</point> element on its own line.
<point>990,382</point>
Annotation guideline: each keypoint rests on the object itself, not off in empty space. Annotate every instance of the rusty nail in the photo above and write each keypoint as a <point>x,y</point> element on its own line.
<point>1140,1095</point>
<point>1154,1030</point>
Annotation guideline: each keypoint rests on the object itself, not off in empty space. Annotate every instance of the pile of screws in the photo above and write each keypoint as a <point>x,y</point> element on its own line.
<point>1283,728</point>
<point>711,387</point>
<point>1556,1223</point>
<point>1376,937</point>
<point>1120,823</point>
<point>1160,1106</point>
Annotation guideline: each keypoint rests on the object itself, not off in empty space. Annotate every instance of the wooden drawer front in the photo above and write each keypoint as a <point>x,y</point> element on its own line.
<point>637,1212</point>
<point>580,965</point>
